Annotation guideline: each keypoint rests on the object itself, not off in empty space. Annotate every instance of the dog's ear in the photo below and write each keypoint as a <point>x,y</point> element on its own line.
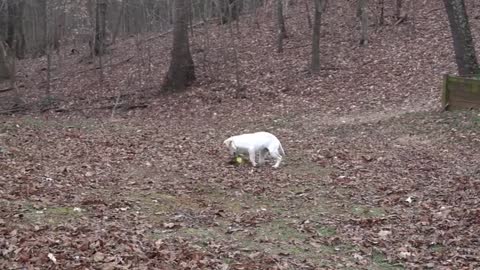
<point>230,144</point>
<point>227,142</point>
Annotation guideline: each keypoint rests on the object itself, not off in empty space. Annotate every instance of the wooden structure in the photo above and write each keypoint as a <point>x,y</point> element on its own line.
<point>460,93</point>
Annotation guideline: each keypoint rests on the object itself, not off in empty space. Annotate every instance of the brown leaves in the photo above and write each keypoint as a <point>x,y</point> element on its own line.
<point>154,191</point>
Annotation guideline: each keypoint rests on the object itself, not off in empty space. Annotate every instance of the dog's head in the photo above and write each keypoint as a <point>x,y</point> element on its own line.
<point>230,145</point>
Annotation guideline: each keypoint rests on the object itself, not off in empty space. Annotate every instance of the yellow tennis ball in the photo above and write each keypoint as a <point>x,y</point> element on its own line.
<point>239,160</point>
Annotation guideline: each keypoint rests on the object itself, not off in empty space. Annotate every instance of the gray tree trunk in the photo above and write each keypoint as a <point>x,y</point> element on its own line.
<point>282,32</point>
<point>43,19</point>
<point>230,10</point>
<point>181,72</point>
<point>5,61</point>
<point>116,30</point>
<point>381,7</point>
<point>462,38</point>
<point>15,36</point>
<point>100,27</point>
<point>317,19</point>
<point>398,9</point>
<point>362,15</point>
<point>35,25</point>
<point>3,23</point>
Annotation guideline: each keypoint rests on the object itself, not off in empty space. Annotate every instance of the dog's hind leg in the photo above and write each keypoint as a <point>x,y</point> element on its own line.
<point>276,155</point>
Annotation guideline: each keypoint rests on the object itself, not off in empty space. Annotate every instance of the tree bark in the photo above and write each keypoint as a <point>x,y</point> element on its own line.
<point>463,45</point>
<point>100,27</point>
<point>37,27</point>
<point>15,36</point>
<point>230,10</point>
<point>116,30</point>
<point>309,20</point>
<point>398,9</point>
<point>5,61</point>
<point>362,15</point>
<point>3,24</point>
<point>181,72</point>
<point>282,32</point>
<point>381,18</point>
<point>317,19</point>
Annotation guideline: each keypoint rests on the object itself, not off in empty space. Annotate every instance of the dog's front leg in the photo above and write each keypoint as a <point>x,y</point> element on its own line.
<point>251,155</point>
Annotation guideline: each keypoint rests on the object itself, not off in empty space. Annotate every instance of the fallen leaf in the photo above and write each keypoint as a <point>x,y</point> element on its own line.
<point>98,257</point>
<point>52,258</point>
<point>170,225</point>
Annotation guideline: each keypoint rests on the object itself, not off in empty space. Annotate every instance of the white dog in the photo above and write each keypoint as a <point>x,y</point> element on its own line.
<point>252,143</point>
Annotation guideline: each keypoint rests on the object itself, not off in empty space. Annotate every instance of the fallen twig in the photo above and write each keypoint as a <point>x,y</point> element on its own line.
<point>6,89</point>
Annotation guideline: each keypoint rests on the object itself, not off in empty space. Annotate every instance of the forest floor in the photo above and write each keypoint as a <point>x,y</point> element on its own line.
<point>116,175</point>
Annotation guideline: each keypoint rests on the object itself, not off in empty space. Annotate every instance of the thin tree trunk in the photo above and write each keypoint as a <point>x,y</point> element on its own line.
<point>190,19</point>
<point>48,51</point>
<point>255,14</point>
<point>240,93</point>
<point>398,9</point>
<point>119,22</point>
<point>49,72</point>
<point>463,45</point>
<point>5,59</point>
<point>42,43</point>
<point>282,32</point>
<point>315,61</point>
<point>100,27</point>
<point>309,20</point>
<point>362,15</point>
<point>3,24</point>
<point>381,19</point>
<point>15,27</point>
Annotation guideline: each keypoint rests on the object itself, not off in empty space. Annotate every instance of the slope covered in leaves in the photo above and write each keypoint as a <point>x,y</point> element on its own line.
<point>118,176</point>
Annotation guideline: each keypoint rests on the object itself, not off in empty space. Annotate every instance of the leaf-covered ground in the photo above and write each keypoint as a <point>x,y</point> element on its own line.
<point>376,176</point>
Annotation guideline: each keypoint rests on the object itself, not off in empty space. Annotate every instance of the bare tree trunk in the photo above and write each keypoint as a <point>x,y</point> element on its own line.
<point>230,10</point>
<point>282,32</point>
<point>5,59</point>
<point>91,16</point>
<point>119,22</point>
<point>49,74</point>
<point>48,51</point>
<point>40,31</point>
<point>59,27</point>
<point>315,62</point>
<point>309,20</point>
<point>13,80</point>
<point>100,27</point>
<point>255,14</point>
<point>362,15</point>
<point>3,23</point>
<point>181,72</point>
<point>462,38</point>
<point>190,20</point>
<point>15,27</point>
<point>381,18</point>
<point>206,45</point>
<point>286,6</point>
<point>8,65</point>
<point>240,93</point>
<point>398,9</point>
